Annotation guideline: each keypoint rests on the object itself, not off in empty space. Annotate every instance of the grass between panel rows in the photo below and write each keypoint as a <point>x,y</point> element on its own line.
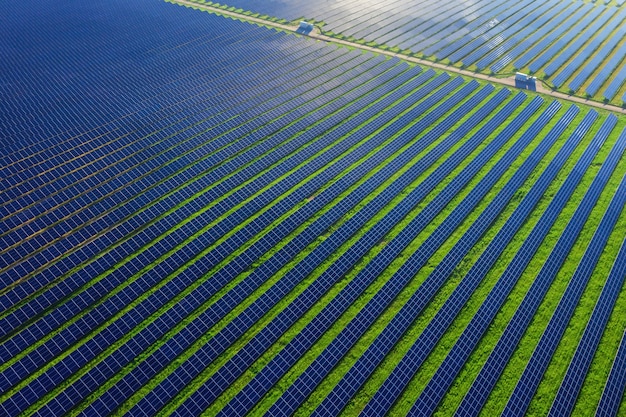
<point>235,254</point>
<point>160,259</point>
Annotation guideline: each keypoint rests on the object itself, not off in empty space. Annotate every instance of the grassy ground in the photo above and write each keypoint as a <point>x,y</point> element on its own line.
<point>498,398</point>
<point>143,271</point>
<point>308,281</point>
<point>599,369</point>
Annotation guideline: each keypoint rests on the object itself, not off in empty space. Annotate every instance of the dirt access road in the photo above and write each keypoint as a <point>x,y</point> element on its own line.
<point>509,82</point>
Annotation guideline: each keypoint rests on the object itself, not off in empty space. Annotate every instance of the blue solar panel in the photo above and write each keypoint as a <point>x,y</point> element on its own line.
<point>551,35</point>
<point>596,62</point>
<point>403,25</point>
<point>569,389</point>
<point>326,317</point>
<point>438,325</point>
<point>544,25</point>
<point>450,24</point>
<point>424,16</point>
<point>614,389</point>
<point>536,366</point>
<point>237,161</point>
<point>605,72</point>
<point>492,369</point>
<point>616,84</point>
<point>155,180</point>
<point>267,269</point>
<point>593,47</point>
<point>476,27</point>
<point>186,278</point>
<point>295,310</point>
<point>571,43</point>
<point>472,30</point>
<point>99,189</point>
<point>507,31</point>
<point>483,34</point>
<point>320,199</point>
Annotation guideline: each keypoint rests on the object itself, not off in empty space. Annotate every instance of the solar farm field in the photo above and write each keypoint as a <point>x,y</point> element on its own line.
<point>203,216</point>
<point>575,46</point>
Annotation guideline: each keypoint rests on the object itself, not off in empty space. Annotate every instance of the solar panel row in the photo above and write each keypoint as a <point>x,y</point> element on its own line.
<point>42,97</point>
<point>83,148</point>
<point>429,23</point>
<point>477,23</point>
<point>521,31</point>
<point>237,294</point>
<point>491,370</point>
<point>435,390</point>
<point>606,71</point>
<point>569,389</point>
<point>29,151</point>
<point>616,84</point>
<point>572,42</point>
<point>394,330</point>
<point>595,62</point>
<point>291,313</point>
<point>413,25</point>
<point>299,345</point>
<point>547,37</point>
<point>160,297</point>
<point>536,366</point>
<point>482,32</point>
<point>591,47</point>
<point>437,327</point>
<point>403,372</point>
<point>74,310</point>
<point>236,160</point>
<point>614,388</point>
<point>478,47</point>
<point>231,147</point>
<point>167,222</point>
<point>446,22</point>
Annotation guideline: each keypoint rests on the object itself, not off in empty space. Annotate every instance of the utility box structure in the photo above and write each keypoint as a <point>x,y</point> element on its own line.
<point>304,28</point>
<point>525,82</point>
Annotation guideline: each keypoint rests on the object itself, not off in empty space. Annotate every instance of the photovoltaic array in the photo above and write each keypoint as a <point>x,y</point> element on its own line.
<point>574,44</point>
<point>204,216</point>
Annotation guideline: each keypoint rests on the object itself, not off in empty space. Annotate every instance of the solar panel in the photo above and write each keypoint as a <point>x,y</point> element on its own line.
<point>235,161</point>
<point>172,196</point>
<point>551,20</point>
<point>533,373</point>
<point>569,389</point>
<point>572,42</point>
<point>614,388</point>
<point>591,48</point>
<point>277,326</point>
<point>390,390</point>
<point>492,369</point>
